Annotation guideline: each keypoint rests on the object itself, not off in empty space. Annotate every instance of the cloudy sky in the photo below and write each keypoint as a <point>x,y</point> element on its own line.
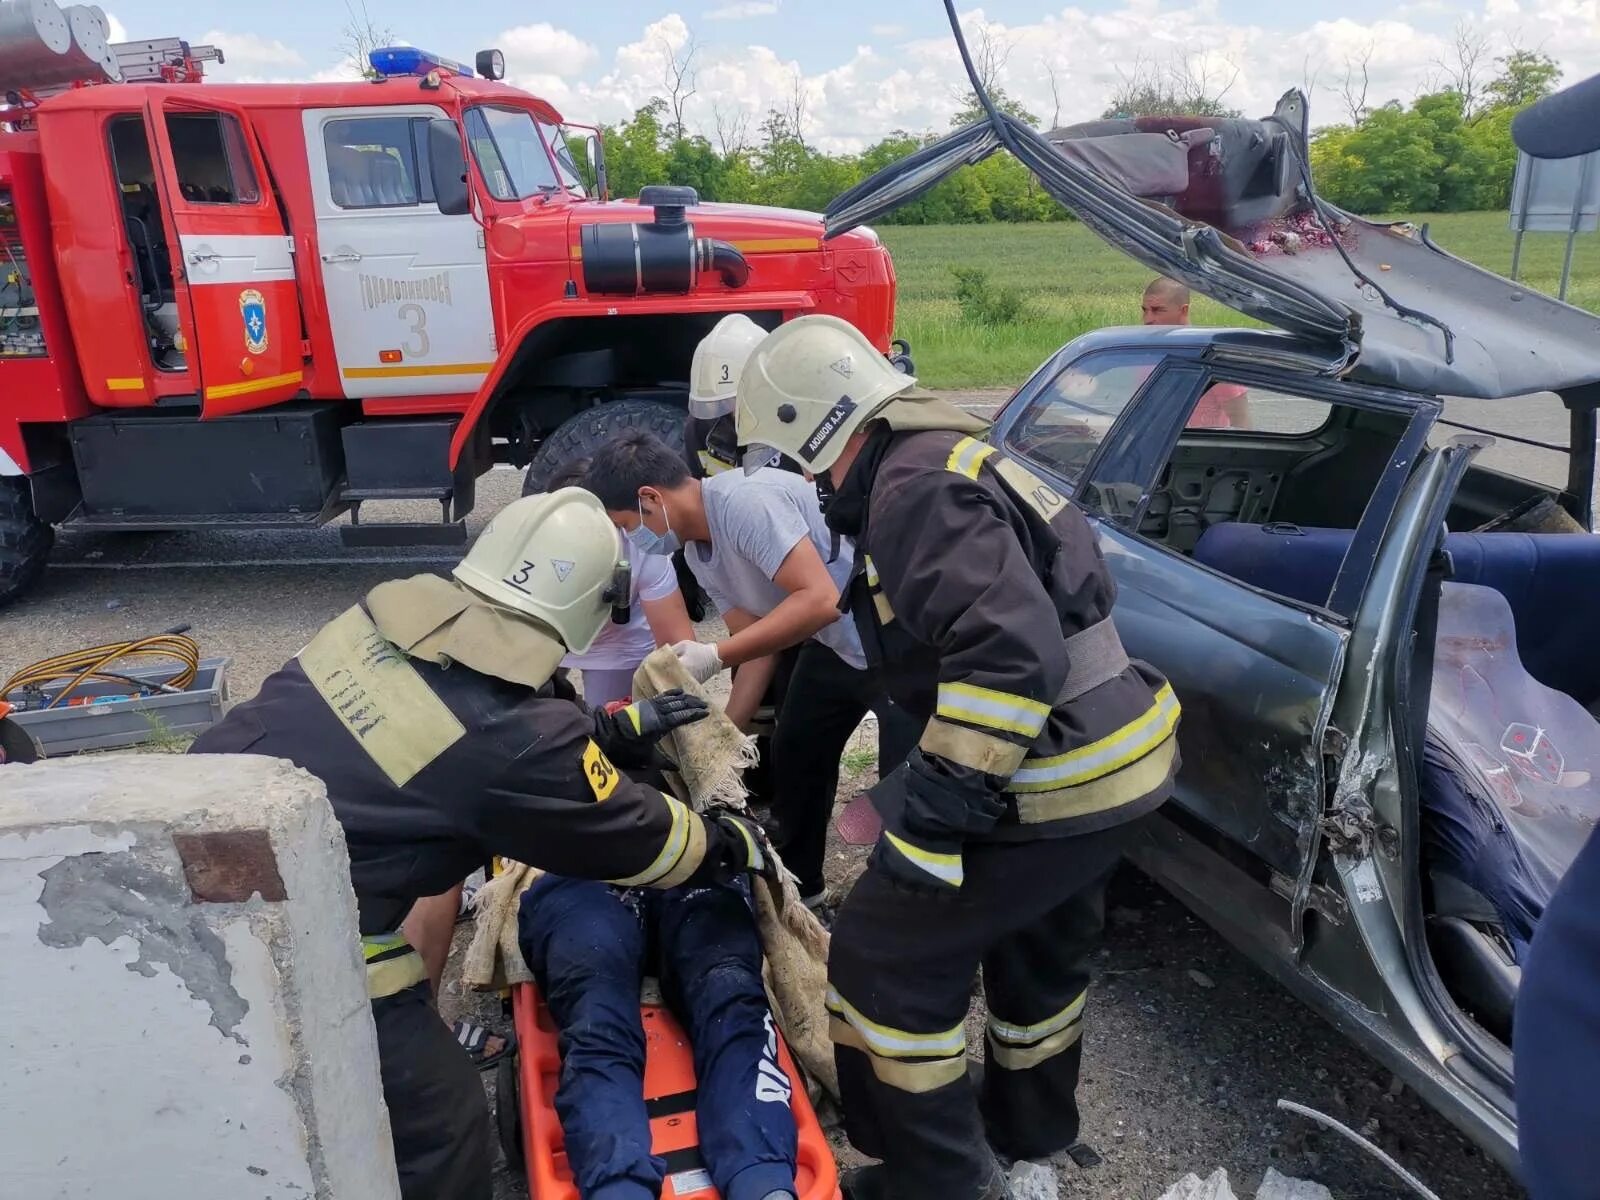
<point>872,66</point>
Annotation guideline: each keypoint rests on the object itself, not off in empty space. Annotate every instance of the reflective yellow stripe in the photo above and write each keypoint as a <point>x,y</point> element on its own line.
<point>971,748</point>
<point>417,372</point>
<point>775,245</point>
<point>125,385</point>
<point>1021,1058</point>
<point>671,850</point>
<point>1128,744</point>
<point>896,1043</point>
<point>693,856</point>
<point>941,866</point>
<point>967,456</point>
<point>711,464</point>
<point>381,943</point>
<point>916,1075</point>
<point>1131,783</point>
<point>872,573</point>
<point>225,390</point>
<point>991,709</point>
<point>885,611</point>
<point>1023,1035</point>
<point>403,968</point>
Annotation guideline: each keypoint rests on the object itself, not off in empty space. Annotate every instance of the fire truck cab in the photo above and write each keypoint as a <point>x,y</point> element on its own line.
<point>264,305</point>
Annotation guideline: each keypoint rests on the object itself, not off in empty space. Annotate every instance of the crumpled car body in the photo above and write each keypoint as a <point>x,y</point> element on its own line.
<point>1386,668</point>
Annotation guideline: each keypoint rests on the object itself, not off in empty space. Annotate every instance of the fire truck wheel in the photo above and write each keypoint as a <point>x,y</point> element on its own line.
<point>580,436</point>
<point>24,540</point>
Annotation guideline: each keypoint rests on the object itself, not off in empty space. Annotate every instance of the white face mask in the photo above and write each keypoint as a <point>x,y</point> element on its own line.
<point>647,541</point>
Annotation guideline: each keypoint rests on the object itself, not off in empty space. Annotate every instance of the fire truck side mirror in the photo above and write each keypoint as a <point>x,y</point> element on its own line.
<point>596,152</point>
<point>447,161</point>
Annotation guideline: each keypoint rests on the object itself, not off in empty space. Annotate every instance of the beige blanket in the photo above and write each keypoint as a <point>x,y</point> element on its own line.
<point>710,757</point>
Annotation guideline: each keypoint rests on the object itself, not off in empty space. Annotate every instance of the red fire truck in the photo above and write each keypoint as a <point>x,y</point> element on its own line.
<point>265,305</point>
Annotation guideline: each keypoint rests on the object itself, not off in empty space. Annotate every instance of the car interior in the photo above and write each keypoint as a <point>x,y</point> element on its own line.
<point>1510,782</point>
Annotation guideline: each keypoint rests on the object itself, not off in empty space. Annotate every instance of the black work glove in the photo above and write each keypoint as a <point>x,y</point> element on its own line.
<point>927,816</point>
<point>736,845</point>
<point>646,722</point>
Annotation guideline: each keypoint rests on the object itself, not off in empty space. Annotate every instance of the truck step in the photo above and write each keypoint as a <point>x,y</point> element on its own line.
<point>388,534</point>
<point>147,523</point>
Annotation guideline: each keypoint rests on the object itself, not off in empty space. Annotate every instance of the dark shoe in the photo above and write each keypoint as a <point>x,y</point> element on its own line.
<point>871,1182</point>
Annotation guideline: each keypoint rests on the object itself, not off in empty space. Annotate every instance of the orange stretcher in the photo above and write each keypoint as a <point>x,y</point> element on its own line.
<point>530,1131</point>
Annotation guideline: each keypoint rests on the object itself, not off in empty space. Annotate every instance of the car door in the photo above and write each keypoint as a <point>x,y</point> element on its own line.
<point>1256,670</point>
<point>235,274</point>
<point>407,286</point>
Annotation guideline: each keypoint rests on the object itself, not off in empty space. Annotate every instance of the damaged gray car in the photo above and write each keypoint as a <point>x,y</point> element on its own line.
<point>1359,545</point>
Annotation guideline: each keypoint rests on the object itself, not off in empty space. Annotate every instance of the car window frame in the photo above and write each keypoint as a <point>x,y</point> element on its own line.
<point>1027,398</point>
<point>1162,414</point>
<point>1355,571</point>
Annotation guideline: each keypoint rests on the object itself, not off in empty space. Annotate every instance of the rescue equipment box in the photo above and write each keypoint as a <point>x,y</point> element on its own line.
<point>102,716</point>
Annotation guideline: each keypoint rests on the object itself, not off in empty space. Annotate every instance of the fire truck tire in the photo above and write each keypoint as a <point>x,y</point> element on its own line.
<point>25,540</point>
<point>582,435</point>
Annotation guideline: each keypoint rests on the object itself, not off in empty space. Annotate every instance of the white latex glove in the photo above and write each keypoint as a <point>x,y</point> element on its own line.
<point>700,659</point>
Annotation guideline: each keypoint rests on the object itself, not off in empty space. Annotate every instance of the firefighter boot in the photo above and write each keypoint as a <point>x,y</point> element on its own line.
<point>871,1182</point>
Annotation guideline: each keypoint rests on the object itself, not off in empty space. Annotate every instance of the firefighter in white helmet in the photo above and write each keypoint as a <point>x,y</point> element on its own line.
<point>433,712</point>
<point>719,359</point>
<point>981,595</point>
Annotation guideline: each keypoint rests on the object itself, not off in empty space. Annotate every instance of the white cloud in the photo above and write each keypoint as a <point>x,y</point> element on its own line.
<point>251,58</point>
<point>862,94</point>
<point>542,48</point>
<point>119,31</point>
<point>743,10</point>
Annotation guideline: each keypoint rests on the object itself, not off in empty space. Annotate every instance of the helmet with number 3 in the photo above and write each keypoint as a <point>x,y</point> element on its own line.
<point>555,557</point>
<point>718,359</point>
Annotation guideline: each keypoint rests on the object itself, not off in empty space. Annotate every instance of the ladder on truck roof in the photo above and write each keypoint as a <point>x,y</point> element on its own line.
<point>45,49</point>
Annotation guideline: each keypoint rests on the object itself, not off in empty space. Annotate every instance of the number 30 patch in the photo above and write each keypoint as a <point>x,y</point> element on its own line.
<point>601,774</point>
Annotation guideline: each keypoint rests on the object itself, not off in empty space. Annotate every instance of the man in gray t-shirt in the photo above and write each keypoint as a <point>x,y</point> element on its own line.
<point>755,522</point>
<point>759,547</point>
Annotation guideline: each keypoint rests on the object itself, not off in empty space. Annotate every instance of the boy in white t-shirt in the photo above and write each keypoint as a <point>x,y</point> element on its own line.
<point>658,618</point>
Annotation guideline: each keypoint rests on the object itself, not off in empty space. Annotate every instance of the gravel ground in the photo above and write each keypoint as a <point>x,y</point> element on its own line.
<point>1188,1047</point>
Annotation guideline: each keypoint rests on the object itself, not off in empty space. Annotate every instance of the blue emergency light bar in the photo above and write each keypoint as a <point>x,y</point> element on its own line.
<point>409,60</point>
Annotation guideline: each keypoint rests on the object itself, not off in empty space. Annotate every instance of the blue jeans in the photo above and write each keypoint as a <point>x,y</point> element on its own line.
<point>590,946</point>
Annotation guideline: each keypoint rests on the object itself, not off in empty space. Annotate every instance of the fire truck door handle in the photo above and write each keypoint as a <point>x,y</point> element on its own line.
<point>203,256</point>
<point>347,257</point>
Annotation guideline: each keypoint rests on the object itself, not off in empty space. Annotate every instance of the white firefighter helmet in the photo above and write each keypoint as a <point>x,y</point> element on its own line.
<point>810,384</point>
<point>555,557</point>
<point>718,360</point>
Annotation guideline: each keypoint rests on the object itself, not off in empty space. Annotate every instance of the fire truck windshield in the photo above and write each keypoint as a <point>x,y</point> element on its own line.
<point>561,150</point>
<point>511,153</point>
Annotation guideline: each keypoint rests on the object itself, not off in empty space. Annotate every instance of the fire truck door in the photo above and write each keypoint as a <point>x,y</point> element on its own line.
<point>234,254</point>
<point>407,285</point>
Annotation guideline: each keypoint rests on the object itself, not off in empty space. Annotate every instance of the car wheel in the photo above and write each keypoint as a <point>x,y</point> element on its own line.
<point>580,436</point>
<point>25,540</point>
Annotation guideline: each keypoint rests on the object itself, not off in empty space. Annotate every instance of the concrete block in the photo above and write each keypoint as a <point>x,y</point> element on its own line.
<point>183,1009</point>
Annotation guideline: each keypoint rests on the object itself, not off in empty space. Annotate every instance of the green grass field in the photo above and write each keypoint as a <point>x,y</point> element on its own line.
<point>1074,282</point>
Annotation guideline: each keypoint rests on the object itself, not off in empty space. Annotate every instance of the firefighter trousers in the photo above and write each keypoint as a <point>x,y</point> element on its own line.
<point>590,945</point>
<point>438,1115</point>
<point>901,969</point>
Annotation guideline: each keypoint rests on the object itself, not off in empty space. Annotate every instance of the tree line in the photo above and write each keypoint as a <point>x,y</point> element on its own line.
<point>1449,149</point>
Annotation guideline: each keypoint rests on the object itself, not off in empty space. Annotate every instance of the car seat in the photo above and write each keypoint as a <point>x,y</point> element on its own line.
<point>1545,577</point>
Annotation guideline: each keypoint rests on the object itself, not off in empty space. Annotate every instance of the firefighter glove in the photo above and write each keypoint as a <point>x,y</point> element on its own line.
<point>645,722</point>
<point>927,815</point>
<point>700,659</point>
<point>738,845</point>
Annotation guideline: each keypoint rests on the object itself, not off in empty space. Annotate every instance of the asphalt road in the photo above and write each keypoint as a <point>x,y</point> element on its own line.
<point>1190,1046</point>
